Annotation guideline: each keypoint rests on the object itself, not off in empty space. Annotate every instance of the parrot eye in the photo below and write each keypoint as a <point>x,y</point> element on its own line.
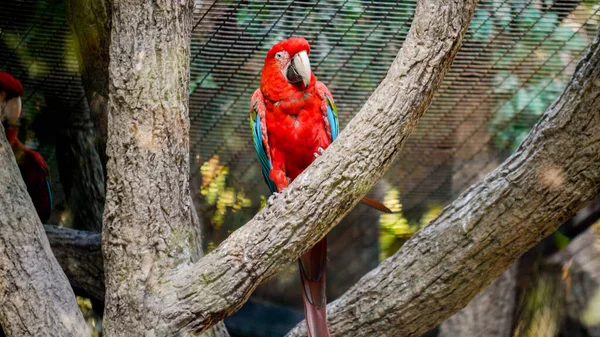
<point>279,55</point>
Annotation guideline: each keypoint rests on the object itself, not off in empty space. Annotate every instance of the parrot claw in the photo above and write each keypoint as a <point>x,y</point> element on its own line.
<point>319,152</point>
<point>272,198</point>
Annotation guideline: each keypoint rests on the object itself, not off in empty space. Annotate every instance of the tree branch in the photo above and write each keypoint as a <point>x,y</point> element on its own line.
<point>35,297</point>
<point>547,180</point>
<point>80,256</point>
<point>492,311</point>
<point>200,294</point>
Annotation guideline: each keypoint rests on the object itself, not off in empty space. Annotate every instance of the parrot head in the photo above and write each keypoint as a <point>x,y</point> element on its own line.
<point>11,91</point>
<point>288,61</point>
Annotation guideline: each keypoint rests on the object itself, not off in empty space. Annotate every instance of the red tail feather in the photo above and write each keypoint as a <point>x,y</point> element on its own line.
<point>313,265</point>
<point>375,204</point>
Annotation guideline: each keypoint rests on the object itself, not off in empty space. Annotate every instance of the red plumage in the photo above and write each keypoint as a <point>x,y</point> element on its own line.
<point>294,119</point>
<point>31,164</point>
<point>34,171</point>
<point>292,108</point>
<point>10,85</point>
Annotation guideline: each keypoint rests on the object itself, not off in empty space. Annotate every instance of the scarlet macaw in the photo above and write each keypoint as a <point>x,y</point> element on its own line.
<point>294,119</point>
<point>31,164</point>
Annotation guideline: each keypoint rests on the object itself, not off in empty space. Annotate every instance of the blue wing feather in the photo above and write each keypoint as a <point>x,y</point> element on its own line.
<point>265,162</point>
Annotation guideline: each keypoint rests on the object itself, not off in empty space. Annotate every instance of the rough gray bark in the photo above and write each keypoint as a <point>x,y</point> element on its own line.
<point>489,314</point>
<point>91,21</point>
<point>80,256</point>
<point>35,297</point>
<point>492,312</point>
<point>346,263</point>
<point>148,227</point>
<point>552,174</point>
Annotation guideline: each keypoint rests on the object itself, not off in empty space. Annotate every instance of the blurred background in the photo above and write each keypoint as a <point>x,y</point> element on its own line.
<point>515,60</point>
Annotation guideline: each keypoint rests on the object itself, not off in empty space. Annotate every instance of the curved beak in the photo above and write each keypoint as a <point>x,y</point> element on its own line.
<point>299,69</point>
<point>11,110</point>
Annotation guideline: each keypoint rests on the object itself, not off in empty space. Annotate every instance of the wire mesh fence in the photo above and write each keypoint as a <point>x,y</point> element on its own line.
<point>515,60</point>
<point>517,56</point>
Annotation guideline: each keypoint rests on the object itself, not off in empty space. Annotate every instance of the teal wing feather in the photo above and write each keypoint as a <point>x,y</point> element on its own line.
<point>332,117</point>
<point>259,134</point>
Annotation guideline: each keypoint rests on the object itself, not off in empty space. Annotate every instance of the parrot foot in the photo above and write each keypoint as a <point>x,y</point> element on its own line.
<point>319,152</point>
<point>272,198</point>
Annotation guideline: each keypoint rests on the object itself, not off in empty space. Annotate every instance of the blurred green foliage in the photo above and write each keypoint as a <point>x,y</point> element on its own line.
<point>217,193</point>
<point>92,317</point>
<point>220,198</point>
<point>395,229</point>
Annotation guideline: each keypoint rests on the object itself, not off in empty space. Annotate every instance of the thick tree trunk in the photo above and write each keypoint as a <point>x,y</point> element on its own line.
<point>35,297</point>
<point>148,227</point>
<point>552,174</point>
<point>91,21</point>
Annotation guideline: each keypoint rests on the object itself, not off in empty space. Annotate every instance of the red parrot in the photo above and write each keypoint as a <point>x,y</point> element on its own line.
<point>31,164</point>
<point>294,119</point>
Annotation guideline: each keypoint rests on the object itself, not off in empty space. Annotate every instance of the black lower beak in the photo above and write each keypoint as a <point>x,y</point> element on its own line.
<point>292,74</point>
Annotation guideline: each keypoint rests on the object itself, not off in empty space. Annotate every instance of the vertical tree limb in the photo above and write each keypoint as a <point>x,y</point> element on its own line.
<point>80,168</point>
<point>148,227</point>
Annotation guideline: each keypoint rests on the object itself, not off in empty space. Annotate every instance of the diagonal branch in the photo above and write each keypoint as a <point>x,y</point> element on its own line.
<point>552,175</point>
<point>200,294</point>
<point>35,297</point>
